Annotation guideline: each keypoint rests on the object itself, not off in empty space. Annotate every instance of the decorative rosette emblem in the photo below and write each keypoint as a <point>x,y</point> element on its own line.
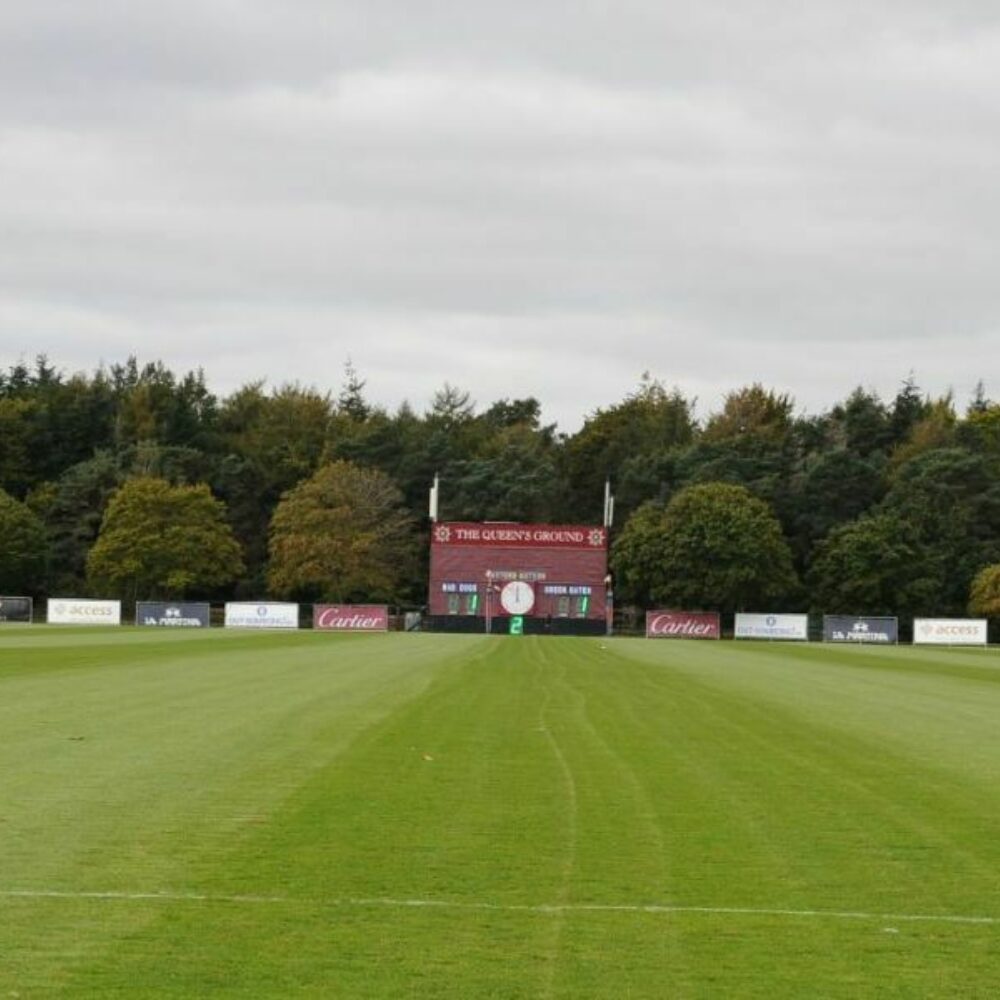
<point>596,537</point>
<point>442,533</point>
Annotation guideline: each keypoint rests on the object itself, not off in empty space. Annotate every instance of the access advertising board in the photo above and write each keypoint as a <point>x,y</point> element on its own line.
<point>950,631</point>
<point>848,628</point>
<point>772,627</point>
<point>351,617</point>
<point>683,625</point>
<point>172,614</point>
<point>80,611</point>
<point>262,614</point>
<point>15,609</point>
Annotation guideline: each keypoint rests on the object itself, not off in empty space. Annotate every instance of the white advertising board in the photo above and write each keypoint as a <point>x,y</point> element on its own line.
<point>261,614</point>
<point>772,627</point>
<point>950,631</point>
<point>81,611</point>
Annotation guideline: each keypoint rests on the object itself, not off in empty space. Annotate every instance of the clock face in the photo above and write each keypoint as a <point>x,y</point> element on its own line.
<point>517,597</point>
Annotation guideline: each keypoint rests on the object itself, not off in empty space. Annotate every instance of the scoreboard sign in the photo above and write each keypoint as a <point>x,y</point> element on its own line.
<point>541,572</point>
<point>512,536</point>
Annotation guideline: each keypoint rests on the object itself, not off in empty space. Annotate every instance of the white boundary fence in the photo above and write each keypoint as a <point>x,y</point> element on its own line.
<point>846,629</point>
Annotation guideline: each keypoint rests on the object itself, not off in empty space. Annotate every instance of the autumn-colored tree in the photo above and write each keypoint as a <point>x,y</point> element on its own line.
<point>343,534</point>
<point>984,594</point>
<point>158,540</point>
<point>752,410</point>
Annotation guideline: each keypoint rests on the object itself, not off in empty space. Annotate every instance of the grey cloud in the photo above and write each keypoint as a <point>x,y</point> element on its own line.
<point>514,198</point>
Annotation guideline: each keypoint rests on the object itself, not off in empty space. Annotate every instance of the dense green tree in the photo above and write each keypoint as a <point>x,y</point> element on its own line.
<point>153,405</point>
<point>506,413</point>
<point>861,423</point>
<point>752,410</point>
<point>873,565</point>
<point>980,431</point>
<point>637,555</point>
<point>653,475</point>
<point>351,402</point>
<point>935,429</point>
<point>920,547</point>
<point>175,463</point>
<point>908,409</point>
<point>22,548</point>
<point>343,534</point>
<point>159,540</point>
<point>72,509</point>
<point>74,419</point>
<point>383,441</point>
<point>17,444</point>
<point>513,479</point>
<point>412,448</point>
<point>284,432</point>
<point>651,420</point>
<point>269,442</point>
<point>759,462</point>
<point>950,500</point>
<point>838,487</point>
<point>713,546</point>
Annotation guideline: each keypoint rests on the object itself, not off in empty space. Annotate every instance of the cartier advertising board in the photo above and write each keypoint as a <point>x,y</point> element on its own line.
<point>351,617</point>
<point>682,625</point>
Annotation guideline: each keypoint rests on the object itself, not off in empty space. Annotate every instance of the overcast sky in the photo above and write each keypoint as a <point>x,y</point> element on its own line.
<point>518,198</point>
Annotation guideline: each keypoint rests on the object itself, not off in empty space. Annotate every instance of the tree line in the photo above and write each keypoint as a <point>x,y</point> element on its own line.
<point>135,481</point>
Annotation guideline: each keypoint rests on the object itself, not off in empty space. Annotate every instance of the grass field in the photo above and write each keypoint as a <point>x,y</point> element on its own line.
<point>191,814</point>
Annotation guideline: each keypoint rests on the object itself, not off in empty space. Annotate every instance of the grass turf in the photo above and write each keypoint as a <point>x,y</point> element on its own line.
<point>260,814</point>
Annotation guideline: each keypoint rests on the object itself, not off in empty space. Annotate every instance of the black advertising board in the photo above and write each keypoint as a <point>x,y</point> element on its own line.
<point>15,609</point>
<point>172,614</point>
<point>852,628</point>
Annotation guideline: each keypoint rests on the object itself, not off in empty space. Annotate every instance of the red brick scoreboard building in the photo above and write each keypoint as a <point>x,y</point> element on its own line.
<point>550,577</point>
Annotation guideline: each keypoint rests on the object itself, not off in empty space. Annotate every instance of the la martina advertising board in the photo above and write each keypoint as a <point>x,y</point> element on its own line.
<point>169,614</point>
<point>848,628</point>
<point>15,609</point>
